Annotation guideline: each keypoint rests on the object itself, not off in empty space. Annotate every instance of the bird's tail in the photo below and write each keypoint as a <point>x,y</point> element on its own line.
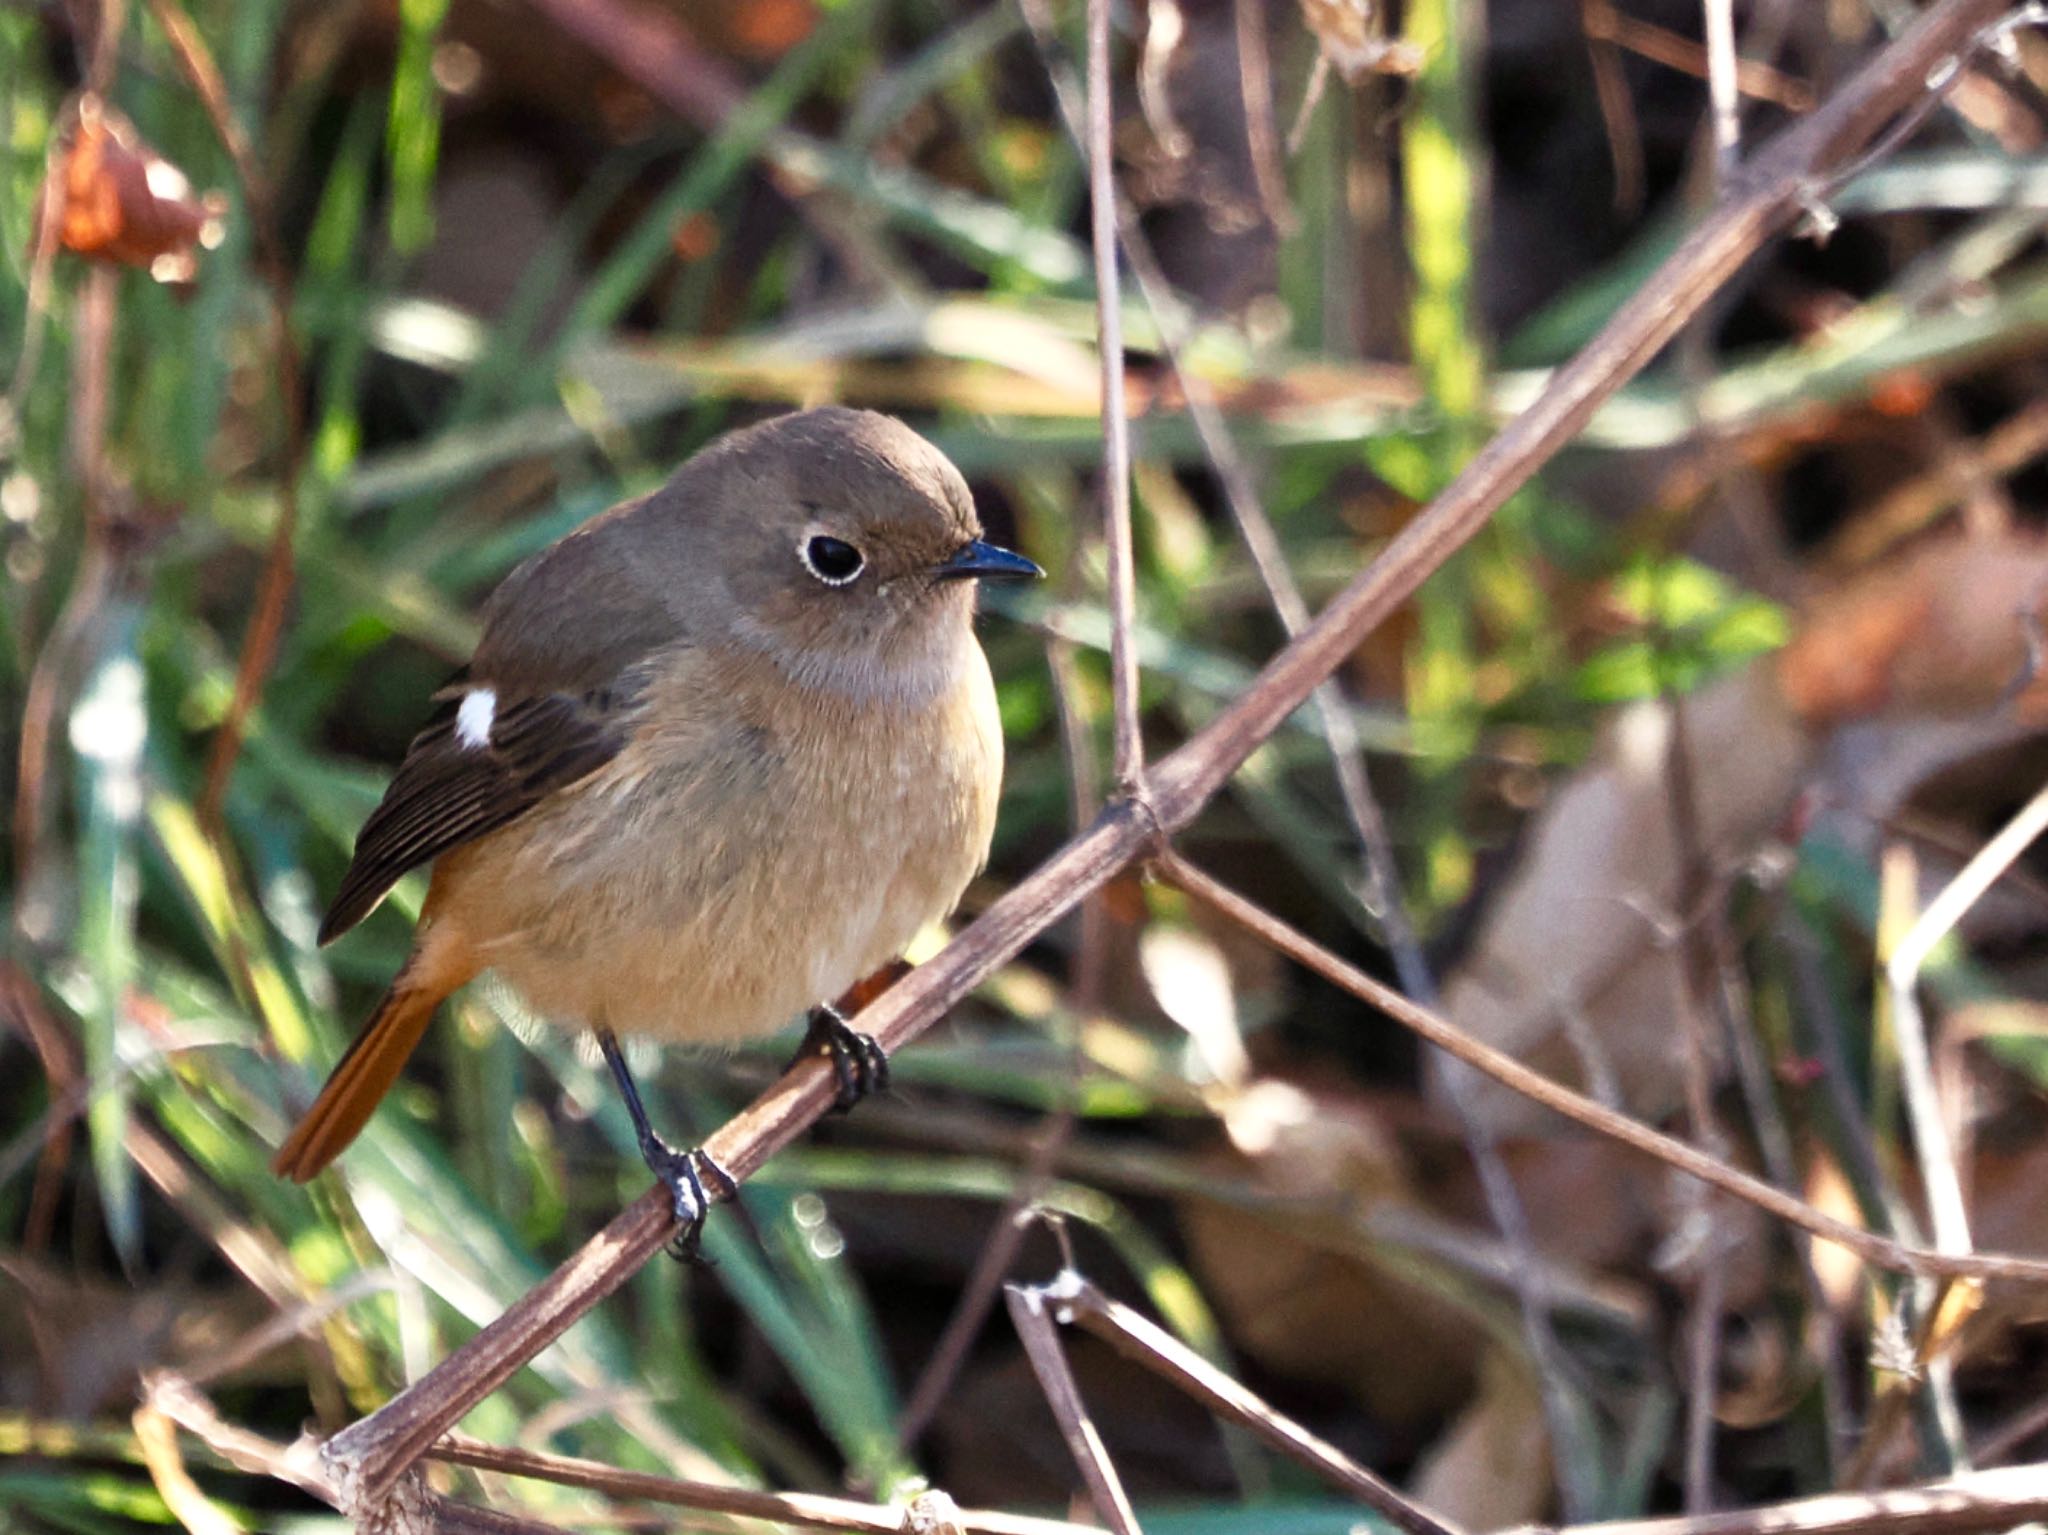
<point>366,1071</point>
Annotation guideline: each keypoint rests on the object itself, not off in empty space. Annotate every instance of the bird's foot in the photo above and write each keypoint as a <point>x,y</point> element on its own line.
<point>859,1065</point>
<point>684,1174</point>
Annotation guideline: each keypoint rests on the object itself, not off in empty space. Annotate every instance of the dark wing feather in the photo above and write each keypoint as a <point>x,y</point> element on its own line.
<point>448,793</point>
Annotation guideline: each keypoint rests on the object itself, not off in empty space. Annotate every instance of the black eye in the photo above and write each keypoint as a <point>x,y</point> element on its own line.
<point>832,560</point>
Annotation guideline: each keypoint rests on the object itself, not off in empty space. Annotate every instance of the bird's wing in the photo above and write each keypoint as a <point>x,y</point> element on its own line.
<point>568,639</point>
<point>475,768</point>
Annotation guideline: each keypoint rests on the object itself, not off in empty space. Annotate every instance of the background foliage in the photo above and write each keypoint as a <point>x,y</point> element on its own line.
<point>519,286</point>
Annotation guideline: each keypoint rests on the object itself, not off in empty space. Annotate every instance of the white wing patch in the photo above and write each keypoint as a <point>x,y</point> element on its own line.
<point>473,719</point>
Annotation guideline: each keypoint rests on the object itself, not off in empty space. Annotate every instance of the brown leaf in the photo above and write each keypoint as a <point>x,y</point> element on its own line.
<point>1299,1296</point>
<point>1568,972</point>
<point>1491,1471</point>
<point>1943,631</point>
<point>119,201</point>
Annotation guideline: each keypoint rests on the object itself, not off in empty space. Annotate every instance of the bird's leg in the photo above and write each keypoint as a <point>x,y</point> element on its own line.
<point>859,1065</point>
<point>682,1173</point>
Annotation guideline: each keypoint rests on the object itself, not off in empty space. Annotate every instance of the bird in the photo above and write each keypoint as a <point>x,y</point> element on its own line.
<point>720,753</point>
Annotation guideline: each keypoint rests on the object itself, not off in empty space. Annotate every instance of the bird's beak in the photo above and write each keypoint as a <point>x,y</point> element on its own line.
<point>981,561</point>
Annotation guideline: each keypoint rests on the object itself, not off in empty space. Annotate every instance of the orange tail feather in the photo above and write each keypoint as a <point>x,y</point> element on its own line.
<point>365,1072</point>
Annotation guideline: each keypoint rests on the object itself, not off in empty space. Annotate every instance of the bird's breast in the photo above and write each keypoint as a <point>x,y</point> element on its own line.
<point>742,861</point>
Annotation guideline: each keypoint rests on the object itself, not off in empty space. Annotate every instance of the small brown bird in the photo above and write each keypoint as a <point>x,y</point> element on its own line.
<point>721,753</point>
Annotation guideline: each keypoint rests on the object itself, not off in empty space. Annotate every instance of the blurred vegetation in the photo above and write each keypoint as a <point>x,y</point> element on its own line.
<point>521,287</point>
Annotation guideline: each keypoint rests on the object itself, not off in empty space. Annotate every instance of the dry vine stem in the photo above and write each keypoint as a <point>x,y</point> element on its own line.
<point>1881,1252</point>
<point>2005,1499</point>
<point>1072,1299</point>
<point>803,1509</point>
<point>1040,1334</point>
<point>370,1457</point>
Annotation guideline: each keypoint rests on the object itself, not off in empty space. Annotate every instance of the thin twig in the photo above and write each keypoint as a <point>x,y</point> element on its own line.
<point>1311,98</point>
<point>1910,508</point>
<point>21,1008</point>
<point>1041,1340</point>
<point>1933,1142</point>
<point>1076,1300</point>
<point>1689,851</point>
<point>1984,1500</point>
<point>292,1325</point>
<point>1976,877</point>
<point>1947,1211</point>
<point>1900,1019</point>
<point>799,1508</point>
<point>1129,756</point>
<point>1709,1301</point>
<point>1617,107</point>
<point>1606,25</point>
<point>2011,1434</point>
<point>977,1296</point>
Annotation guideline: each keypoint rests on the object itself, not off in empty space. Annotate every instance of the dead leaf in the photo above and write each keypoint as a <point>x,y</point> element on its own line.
<point>1570,973</point>
<point>1491,1470</point>
<point>1943,632</point>
<point>119,201</point>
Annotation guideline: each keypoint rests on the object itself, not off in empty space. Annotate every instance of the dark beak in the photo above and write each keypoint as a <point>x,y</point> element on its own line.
<point>980,561</point>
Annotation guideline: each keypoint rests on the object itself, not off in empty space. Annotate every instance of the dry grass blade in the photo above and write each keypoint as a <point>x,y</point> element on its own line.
<point>1776,190</point>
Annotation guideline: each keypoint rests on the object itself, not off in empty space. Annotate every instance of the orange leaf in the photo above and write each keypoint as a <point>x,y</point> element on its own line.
<point>120,201</point>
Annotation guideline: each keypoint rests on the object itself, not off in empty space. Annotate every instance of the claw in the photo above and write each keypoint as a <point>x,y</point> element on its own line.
<point>683,1174</point>
<point>859,1064</point>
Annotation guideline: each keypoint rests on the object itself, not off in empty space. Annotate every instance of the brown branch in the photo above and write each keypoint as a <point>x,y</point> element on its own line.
<point>1040,1336</point>
<point>1881,1252</point>
<point>22,1010</point>
<point>1776,190</point>
<point>798,1508</point>
<point>1983,1500</point>
<point>1077,1300</point>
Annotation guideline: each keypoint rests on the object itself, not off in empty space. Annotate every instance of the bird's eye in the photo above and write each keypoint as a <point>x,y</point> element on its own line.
<point>832,560</point>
